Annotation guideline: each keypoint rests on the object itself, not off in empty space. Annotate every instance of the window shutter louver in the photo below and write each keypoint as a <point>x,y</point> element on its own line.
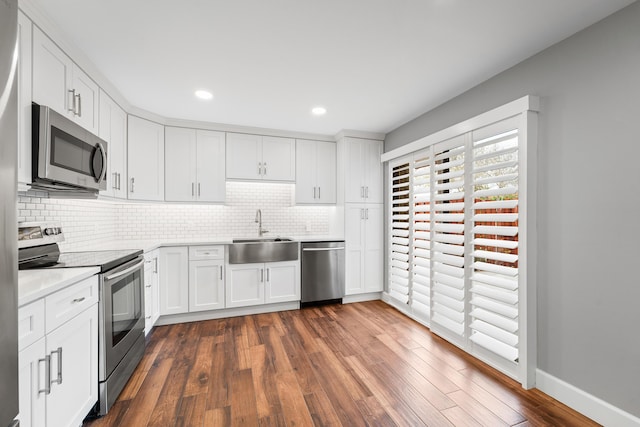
<point>421,224</point>
<point>400,233</point>
<point>448,240</point>
<point>494,280</point>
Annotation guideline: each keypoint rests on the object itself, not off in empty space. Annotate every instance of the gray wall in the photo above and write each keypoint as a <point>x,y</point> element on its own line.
<point>589,199</point>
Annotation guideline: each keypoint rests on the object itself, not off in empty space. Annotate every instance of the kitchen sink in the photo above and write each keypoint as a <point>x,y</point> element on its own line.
<point>247,251</point>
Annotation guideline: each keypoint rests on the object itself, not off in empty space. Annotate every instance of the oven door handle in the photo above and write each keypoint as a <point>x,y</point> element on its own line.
<point>124,272</point>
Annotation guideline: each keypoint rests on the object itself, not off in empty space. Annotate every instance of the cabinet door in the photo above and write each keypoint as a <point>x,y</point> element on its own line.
<point>282,282</point>
<point>354,186</point>
<point>244,285</point>
<point>24,100</point>
<point>372,150</point>
<point>174,280</point>
<point>52,71</point>
<point>206,285</point>
<point>112,126</point>
<point>278,159</point>
<point>244,156</point>
<point>77,367</point>
<point>326,172</point>
<point>180,164</point>
<point>31,380</point>
<point>373,248</point>
<point>354,249</point>
<point>145,159</point>
<point>86,91</point>
<point>210,166</point>
<point>306,186</point>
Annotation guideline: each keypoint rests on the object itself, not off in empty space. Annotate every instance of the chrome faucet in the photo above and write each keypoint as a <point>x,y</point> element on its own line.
<point>258,220</point>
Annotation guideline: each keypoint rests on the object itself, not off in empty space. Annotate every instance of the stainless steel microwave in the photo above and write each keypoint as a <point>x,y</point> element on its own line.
<point>66,156</point>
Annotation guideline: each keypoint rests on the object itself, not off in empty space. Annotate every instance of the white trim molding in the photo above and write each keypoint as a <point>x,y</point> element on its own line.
<point>583,402</point>
<point>513,108</point>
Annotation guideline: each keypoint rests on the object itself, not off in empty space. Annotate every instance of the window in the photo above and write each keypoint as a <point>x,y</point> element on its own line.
<point>456,233</point>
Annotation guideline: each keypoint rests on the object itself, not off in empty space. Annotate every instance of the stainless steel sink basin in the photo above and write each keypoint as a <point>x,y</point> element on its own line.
<point>246,251</point>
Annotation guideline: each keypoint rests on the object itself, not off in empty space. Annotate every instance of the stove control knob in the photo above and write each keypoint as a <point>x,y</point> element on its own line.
<point>48,231</point>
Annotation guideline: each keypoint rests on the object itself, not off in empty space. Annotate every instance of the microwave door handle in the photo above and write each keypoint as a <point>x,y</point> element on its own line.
<point>103,153</point>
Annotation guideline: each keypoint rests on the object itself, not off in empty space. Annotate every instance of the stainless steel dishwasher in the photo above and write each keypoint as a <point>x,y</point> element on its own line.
<point>322,272</point>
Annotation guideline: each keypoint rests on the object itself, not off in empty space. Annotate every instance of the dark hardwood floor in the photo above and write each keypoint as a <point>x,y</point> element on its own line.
<point>361,364</point>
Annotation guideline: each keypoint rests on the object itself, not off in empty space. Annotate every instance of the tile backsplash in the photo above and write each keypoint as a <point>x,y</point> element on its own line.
<point>86,222</point>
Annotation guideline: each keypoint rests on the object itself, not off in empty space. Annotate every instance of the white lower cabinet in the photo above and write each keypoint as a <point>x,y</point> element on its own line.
<point>364,248</point>
<point>262,283</point>
<point>59,370</point>
<point>174,280</point>
<point>151,290</point>
<point>206,278</point>
<point>191,279</point>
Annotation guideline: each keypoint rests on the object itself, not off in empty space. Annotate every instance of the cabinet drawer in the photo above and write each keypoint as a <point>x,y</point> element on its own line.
<point>206,252</point>
<point>69,302</point>
<point>30,323</point>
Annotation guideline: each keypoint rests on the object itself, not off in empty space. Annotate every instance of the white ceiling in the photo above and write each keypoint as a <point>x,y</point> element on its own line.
<point>374,64</point>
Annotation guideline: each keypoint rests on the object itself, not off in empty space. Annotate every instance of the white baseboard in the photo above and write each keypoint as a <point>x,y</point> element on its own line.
<point>227,312</point>
<point>583,402</point>
<point>348,299</point>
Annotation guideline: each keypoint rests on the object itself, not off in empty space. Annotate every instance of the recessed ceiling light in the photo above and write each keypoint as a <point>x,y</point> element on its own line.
<point>204,94</point>
<point>318,111</point>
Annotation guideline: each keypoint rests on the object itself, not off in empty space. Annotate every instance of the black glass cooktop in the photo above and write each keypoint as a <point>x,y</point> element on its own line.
<point>52,258</point>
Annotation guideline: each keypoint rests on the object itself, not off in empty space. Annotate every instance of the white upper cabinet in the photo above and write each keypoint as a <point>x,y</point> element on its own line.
<point>60,84</point>
<point>24,101</point>
<point>255,157</point>
<point>113,129</point>
<point>195,165</point>
<point>145,147</point>
<point>315,172</point>
<point>363,174</point>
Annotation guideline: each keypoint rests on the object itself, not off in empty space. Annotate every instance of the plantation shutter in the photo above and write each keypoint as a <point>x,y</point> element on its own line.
<point>421,233</point>
<point>448,240</point>
<point>400,232</point>
<point>494,277</point>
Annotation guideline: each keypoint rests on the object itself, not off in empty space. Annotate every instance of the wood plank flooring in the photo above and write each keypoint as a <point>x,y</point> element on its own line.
<point>361,364</point>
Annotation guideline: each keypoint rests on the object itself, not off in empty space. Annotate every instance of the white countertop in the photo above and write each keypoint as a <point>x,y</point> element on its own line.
<point>149,245</point>
<point>38,283</point>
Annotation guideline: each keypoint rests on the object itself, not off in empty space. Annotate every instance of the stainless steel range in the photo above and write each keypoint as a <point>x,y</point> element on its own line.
<point>121,307</point>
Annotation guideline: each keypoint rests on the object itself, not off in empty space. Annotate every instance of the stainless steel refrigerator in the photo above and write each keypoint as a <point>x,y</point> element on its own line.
<point>8,224</point>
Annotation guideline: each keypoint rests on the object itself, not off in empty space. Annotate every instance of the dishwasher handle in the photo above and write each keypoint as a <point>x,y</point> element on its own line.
<point>338,248</point>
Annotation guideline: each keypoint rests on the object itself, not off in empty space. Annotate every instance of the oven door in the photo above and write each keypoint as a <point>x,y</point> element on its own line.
<point>67,153</point>
<point>121,313</point>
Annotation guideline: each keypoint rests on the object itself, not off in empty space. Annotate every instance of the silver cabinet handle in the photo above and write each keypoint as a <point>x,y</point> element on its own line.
<point>268,274</point>
<point>155,266</point>
<point>362,192</point>
<point>262,275</point>
<point>72,103</point>
<point>318,192</point>
<point>259,168</point>
<point>193,189</point>
<point>115,181</point>
<point>77,300</point>
<point>198,189</point>
<point>265,168</point>
<point>47,375</point>
<point>132,183</point>
<point>366,213</point>
<point>59,379</point>
<point>118,181</point>
<point>366,192</point>
<point>314,192</point>
<point>361,213</point>
<point>337,248</point>
<point>78,111</point>
<point>220,272</point>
